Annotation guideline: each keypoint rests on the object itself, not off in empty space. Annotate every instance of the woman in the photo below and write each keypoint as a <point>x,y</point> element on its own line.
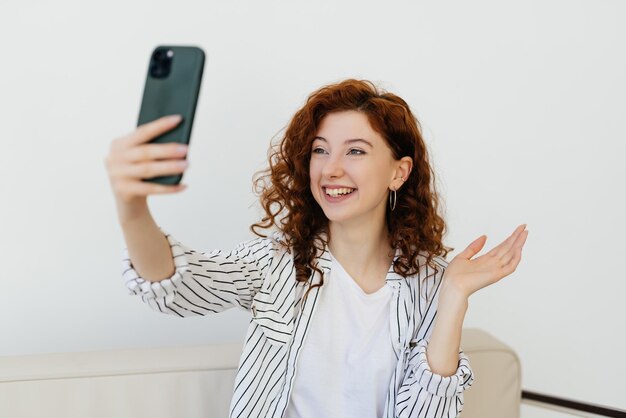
<point>356,313</point>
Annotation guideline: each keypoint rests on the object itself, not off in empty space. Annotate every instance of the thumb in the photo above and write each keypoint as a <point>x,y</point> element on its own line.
<point>473,248</point>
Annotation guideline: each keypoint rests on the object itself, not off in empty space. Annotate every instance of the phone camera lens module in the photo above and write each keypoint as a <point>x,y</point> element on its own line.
<point>160,65</point>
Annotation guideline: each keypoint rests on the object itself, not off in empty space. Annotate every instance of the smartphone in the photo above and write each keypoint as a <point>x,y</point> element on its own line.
<point>172,87</point>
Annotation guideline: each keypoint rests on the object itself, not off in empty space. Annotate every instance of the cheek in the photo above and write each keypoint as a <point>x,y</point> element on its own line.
<point>314,172</point>
<point>313,180</point>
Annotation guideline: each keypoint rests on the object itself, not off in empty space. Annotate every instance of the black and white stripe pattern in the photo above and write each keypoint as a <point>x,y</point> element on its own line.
<point>259,275</point>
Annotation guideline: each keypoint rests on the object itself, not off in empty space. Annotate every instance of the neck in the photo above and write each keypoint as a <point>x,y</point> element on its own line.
<point>361,248</point>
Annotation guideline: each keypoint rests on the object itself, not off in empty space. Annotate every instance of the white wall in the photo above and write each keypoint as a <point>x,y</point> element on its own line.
<point>522,104</point>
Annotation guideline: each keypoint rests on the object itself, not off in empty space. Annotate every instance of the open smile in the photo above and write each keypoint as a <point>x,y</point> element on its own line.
<point>339,194</point>
<point>338,191</point>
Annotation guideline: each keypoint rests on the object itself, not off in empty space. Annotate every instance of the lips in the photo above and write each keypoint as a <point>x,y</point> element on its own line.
<point>338,191</point>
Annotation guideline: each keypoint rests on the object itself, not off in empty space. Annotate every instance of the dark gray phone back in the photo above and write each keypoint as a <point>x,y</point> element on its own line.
<point>172,87</point>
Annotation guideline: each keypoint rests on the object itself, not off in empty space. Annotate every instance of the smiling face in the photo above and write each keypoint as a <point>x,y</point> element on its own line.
<point>351,169</point>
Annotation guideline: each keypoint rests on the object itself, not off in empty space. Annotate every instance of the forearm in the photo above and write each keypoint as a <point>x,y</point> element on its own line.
<point>445,342</point>
<point>148,248</point>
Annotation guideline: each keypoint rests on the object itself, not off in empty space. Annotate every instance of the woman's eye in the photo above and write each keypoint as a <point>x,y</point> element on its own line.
<point>318,150</point>
<point>358,151</point>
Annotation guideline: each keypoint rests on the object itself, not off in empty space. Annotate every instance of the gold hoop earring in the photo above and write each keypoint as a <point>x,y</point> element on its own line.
<point>392,205</point>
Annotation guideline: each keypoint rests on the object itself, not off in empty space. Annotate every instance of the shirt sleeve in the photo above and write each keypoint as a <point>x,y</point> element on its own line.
<point>204,283</point>
<point>425,394</point>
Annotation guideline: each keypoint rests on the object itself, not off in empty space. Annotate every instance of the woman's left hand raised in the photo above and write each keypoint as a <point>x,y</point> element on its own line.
<point>465,276</point>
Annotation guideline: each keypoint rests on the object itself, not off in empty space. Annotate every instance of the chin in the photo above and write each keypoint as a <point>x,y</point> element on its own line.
<point>336,217</point>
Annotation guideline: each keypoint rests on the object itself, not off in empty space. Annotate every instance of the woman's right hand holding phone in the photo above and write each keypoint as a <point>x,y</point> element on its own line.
<point>131,158</point>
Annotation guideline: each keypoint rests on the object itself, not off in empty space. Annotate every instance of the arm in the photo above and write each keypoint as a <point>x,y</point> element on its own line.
<point>434,384</point>
<point>175,279</point>
<point>204,283</point>
<point>445,341</point>
<point>463,277</point>
<point>147,247</point>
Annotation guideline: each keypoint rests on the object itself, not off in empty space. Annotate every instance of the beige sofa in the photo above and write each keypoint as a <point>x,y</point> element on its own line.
<point>194,382</point>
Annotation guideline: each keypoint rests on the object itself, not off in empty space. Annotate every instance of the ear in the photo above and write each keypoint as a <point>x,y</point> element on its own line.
<point>403,169</point>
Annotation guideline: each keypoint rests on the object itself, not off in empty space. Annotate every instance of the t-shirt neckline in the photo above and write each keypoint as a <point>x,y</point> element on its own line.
<point>375,295</point>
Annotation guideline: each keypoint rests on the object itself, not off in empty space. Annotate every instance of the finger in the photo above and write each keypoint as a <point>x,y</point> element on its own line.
<point>515,250</point>
<point>505,246</point>
<point>511,266</point>
<point>151,130</point>
<point>152,169</point>
<point>151,152</point>
<point>142,188</point>
<point>473,248</point>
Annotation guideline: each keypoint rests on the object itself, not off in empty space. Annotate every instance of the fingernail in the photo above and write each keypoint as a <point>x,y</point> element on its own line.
<point>174,118</point>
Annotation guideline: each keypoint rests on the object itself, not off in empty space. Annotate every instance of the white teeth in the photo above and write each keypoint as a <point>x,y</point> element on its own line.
<point>337,192</point>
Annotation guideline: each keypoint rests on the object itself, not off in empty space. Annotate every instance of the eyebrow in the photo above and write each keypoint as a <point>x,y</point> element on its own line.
<point>347,141</point>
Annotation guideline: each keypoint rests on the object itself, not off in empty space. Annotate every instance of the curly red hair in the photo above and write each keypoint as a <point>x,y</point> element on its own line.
<point>284,187</point>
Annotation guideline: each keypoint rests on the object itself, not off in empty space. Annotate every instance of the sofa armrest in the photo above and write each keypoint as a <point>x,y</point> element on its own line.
<point>496,391</point>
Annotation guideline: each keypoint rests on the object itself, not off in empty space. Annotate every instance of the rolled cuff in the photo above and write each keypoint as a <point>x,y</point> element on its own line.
<point>437,384</point>
<point>137,285</point>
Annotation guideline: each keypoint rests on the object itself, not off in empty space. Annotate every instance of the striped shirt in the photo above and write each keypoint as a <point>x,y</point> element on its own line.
<point>259,276</point>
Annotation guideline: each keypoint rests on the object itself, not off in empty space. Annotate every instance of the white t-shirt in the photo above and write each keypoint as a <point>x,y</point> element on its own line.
<point>347,360</point>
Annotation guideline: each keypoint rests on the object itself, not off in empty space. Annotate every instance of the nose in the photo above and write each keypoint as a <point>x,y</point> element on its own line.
<point>333,167</point>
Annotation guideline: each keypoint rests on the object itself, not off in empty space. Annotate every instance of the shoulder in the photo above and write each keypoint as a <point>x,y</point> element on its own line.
<point>431,265</point>
<point>439,263</point>
<point>427,280</point>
